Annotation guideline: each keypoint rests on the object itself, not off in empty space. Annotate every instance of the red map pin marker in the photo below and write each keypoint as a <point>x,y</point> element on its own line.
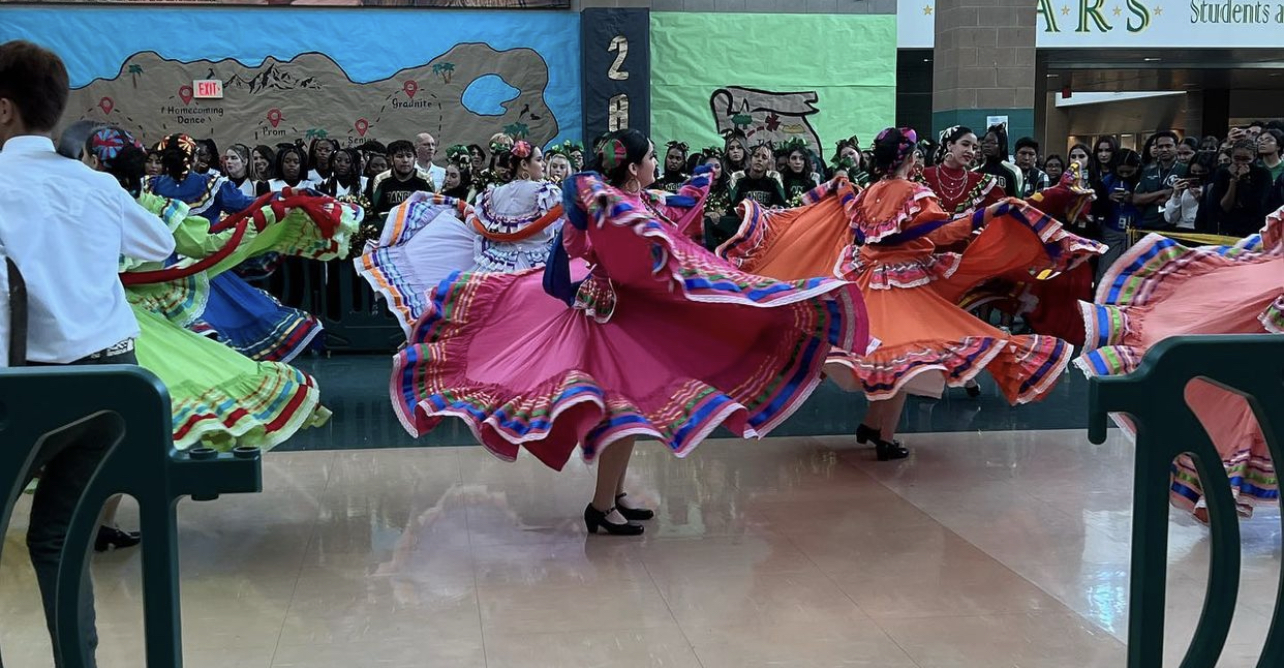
<point>362,125</point>
<point>410,87</point>
<point>274,117</point>
<point>185,94</point>
<point>106,105</point>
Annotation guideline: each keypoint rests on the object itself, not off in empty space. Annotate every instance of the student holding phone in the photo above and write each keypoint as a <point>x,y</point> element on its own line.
<point>1120,212</point>
<point>1183,207</point>
<point>1237,205</point>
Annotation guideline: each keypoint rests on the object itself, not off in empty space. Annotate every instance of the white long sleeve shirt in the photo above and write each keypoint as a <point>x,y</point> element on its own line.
<point>66,226</point>
<point>1180,209</point>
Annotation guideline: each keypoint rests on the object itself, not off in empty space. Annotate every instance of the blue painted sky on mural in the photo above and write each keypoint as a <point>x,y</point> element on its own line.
<point>369,44</point>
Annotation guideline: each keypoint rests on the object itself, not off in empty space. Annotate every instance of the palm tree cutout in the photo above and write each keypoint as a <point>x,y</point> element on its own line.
<point>134,71</point>
<point>316,133</point>
<point>445,70</point>
<point>517,130</point>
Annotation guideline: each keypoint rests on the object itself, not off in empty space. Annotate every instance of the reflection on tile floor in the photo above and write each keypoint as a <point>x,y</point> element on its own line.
<point>981,550</point>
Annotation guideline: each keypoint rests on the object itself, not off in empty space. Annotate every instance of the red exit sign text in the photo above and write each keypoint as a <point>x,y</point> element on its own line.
<point>207,89</point>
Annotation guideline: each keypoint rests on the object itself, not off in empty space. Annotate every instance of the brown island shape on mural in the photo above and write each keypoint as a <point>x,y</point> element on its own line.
<point>312,96</point>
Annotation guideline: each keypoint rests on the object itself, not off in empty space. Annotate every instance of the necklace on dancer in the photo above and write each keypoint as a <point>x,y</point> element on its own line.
<point>943,188</point>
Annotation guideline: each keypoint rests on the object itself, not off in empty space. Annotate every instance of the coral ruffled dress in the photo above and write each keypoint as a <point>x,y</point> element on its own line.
<point>911,288</point>
<point>1158,289</point>
<point>660,339</point>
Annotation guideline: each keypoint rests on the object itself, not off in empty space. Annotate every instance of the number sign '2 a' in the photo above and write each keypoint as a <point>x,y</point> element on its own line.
<point>616,70</point>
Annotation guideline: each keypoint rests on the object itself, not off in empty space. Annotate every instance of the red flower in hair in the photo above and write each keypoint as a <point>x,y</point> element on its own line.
<point>521,149</point>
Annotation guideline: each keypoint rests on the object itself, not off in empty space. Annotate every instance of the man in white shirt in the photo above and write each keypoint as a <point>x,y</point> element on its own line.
<point>425,151</point>
<point>65,226</point>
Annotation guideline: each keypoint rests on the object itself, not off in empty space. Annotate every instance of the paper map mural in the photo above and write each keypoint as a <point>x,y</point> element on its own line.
<point>472,79</point>
<point>764,115</point>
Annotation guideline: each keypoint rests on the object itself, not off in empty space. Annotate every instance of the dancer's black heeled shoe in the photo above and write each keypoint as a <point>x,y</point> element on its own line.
<point>111,537</point>
<point>973,391</point>
<point>594,518</point>
<point>889,450</point>
<point>866,434</point>
<point>633,514</point>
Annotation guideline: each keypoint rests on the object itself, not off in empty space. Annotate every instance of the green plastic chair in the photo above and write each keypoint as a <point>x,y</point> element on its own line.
<point>1252,366</point>
<point>142,463</point>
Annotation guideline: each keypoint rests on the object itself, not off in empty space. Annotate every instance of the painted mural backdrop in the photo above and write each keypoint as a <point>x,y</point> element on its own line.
<point>837,79</point>
<point>463,77</point>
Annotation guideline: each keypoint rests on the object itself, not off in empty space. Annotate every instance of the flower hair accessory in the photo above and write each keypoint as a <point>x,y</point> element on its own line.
<point>613,154</point>
<point>459,154</point>
<point>107,143</point>
<point>681,146</point>
<point>522,149</point>
<point>906,146</point>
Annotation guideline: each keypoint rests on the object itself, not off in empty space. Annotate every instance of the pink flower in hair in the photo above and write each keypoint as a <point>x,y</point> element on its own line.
<point>522,149</point>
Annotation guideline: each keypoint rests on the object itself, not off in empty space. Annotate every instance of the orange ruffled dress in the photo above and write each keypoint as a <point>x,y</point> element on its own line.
<point>911,288</point>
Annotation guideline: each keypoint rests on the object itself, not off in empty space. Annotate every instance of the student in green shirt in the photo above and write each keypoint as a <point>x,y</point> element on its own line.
<point>1157,180</point>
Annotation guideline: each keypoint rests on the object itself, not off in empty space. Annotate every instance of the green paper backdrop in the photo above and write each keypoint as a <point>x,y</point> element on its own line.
<point>775,75</point>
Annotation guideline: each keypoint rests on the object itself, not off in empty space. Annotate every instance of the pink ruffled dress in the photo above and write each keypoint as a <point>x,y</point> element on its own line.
<point>659,339</point>
<point>1158,289</point>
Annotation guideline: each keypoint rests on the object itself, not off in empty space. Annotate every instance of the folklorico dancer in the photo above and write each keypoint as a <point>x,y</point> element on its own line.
<point>888,239</point>
<point>645,334</point>
<point>1158,289</point>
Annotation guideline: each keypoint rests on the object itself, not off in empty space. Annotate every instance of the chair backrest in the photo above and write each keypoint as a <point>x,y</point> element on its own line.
<point>1153,397</point>
<point>142,462</point>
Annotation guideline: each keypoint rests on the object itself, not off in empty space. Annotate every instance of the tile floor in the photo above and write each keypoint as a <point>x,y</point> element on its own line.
<point>983,550</point>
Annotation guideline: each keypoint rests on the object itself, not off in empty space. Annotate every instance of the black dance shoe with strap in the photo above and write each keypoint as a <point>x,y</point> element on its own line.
<point>595,519</point>
<point>632,514</point>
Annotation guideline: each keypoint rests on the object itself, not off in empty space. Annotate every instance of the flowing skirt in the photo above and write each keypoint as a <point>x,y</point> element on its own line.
<point>663,341</point>
<point>1158,289</point>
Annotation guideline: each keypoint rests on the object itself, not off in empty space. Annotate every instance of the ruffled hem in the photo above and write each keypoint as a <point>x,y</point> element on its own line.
<point>889,275</point>
<point>1273,318</point>
<point>691,269</point>
<point>262,415</point>
<point>1065,250</point>
<point>1252,478</point>
<point>873,231</point>
<point>379,264</point>
<point>1039,361</point>
<point>430,382</point>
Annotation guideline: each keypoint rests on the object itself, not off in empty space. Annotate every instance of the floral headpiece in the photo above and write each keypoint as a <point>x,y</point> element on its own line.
<point>569,147</point>
<point>522,149</point>
<point>612,154</point>
<point>681,146</point>
<point>712,152</point>
<point>558,149</point>
<point>791,145</point>
<point>459,155</point>
<point>500,147</point>
<point>909,141</point>
<point>108,142</point>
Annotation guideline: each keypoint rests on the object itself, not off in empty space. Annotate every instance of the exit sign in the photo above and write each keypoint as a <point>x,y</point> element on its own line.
<point>207,89</point>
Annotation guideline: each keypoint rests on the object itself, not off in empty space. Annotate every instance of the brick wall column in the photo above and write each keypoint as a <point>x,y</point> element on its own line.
<point>984,64</point>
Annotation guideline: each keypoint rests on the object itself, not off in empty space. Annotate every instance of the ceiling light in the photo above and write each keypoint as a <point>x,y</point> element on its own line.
<point>1152,60</point>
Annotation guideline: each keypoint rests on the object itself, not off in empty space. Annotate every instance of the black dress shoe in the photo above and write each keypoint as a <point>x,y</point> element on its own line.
<point>889,450</point>
<point>111,537</point>
<point>632,514</point>
<point>866,434</point>
<point>594,519</point>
